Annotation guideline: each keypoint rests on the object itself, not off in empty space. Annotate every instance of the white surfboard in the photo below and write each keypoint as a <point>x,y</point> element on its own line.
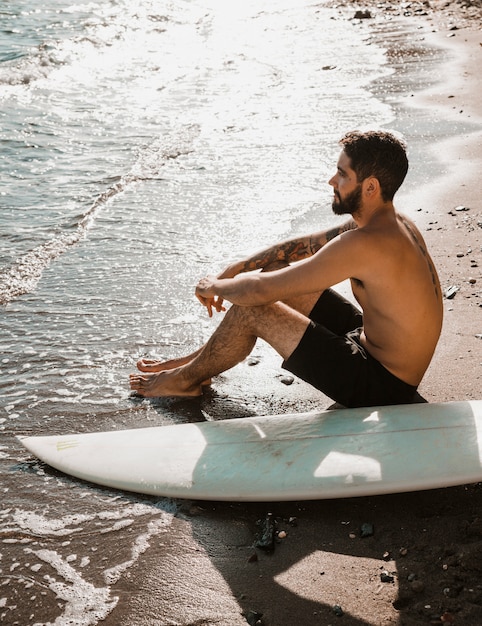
<point>329,454</point>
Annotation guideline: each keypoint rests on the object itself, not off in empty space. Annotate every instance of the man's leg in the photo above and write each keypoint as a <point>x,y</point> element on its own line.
<point>278,324</point>
<point>303,304</point>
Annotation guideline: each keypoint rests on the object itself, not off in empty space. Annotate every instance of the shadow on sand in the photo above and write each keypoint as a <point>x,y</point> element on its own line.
<point>405,559</point>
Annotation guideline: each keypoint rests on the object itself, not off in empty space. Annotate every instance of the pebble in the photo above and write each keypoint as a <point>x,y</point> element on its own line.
<point>287,380</point>
<point>450,292</point>
<point>254,618</point>
<point>417,586</point>
<point>338,611</point>
<point>366,530</point>
<point>195,511</point>
<point>362,15</point>
<point>252,558</point>
<point>385,577</point>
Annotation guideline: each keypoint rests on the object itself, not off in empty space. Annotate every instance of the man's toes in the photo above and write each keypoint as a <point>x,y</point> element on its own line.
<point>147,365</point>
<point>135,381</point>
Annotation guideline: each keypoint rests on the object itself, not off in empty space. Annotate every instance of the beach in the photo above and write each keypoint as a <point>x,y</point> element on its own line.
<point>396,560</point>
<point>429,543</point>
<point>422,564</point>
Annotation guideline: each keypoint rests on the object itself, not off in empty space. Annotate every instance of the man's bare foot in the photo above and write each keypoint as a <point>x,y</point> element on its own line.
<point>162,384</point>
<point>155,365</point>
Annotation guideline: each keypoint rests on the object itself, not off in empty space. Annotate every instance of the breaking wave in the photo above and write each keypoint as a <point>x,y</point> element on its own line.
<point>24,274</point>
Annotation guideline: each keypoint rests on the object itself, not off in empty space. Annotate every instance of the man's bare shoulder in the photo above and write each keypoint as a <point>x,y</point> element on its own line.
<point>388,229</point>
<point>381,244</point>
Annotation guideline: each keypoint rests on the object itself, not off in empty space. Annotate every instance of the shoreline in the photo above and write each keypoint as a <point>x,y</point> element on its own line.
<point>428,543</point>
<point>422,559</point>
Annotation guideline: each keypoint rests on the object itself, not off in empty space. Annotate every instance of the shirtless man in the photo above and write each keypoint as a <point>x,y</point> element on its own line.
<point>370,357</point>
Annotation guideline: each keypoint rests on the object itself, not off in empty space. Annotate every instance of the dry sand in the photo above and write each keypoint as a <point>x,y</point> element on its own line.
<point>455,236</point>
<point>423,562</point>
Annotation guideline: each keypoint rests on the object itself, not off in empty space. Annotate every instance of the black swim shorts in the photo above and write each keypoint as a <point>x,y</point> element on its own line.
<point>331,358</point>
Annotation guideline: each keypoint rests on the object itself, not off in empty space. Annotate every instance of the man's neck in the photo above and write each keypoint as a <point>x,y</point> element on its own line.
<point>370,214</point>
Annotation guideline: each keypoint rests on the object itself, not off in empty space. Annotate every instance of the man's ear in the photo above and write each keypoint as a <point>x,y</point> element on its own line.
<point>371,186</point>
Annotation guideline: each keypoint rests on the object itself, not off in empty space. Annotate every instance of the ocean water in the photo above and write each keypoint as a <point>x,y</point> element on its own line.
<point>143,145</point>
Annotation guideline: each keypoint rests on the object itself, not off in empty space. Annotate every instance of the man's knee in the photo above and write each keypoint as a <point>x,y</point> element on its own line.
<point>276,323</point>
<point>250,314</point>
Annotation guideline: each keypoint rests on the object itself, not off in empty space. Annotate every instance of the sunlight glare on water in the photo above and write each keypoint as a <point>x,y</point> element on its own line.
<point>158,144</point>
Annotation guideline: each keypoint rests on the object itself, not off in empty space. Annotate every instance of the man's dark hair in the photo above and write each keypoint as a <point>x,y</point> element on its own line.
<point>379,154</point>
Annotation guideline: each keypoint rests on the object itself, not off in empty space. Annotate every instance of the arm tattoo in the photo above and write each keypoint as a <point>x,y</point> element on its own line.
<point>317,242</point>
<point>293,250</point>
<point>280,255</point>
<point>297,250</point>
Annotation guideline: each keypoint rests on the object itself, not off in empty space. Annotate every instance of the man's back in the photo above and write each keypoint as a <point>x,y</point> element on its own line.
<point>399,292</point>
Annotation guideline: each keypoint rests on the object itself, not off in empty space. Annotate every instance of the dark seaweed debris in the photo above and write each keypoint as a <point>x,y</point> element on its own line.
<point>266,536</point>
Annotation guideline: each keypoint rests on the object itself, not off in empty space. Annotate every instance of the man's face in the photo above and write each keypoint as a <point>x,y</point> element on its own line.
<point>349,204</point>
<point>347,190</point>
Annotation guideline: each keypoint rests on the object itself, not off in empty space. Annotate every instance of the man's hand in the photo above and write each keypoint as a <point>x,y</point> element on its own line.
<point>206,294</point>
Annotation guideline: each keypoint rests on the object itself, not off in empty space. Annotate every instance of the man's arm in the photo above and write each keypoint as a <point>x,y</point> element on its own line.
<point>287,252</point>
<point>277,256</point>
<point>343,258</point>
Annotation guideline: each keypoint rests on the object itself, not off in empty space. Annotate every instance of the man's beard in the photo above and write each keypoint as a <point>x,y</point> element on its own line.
<point>350,204</point>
